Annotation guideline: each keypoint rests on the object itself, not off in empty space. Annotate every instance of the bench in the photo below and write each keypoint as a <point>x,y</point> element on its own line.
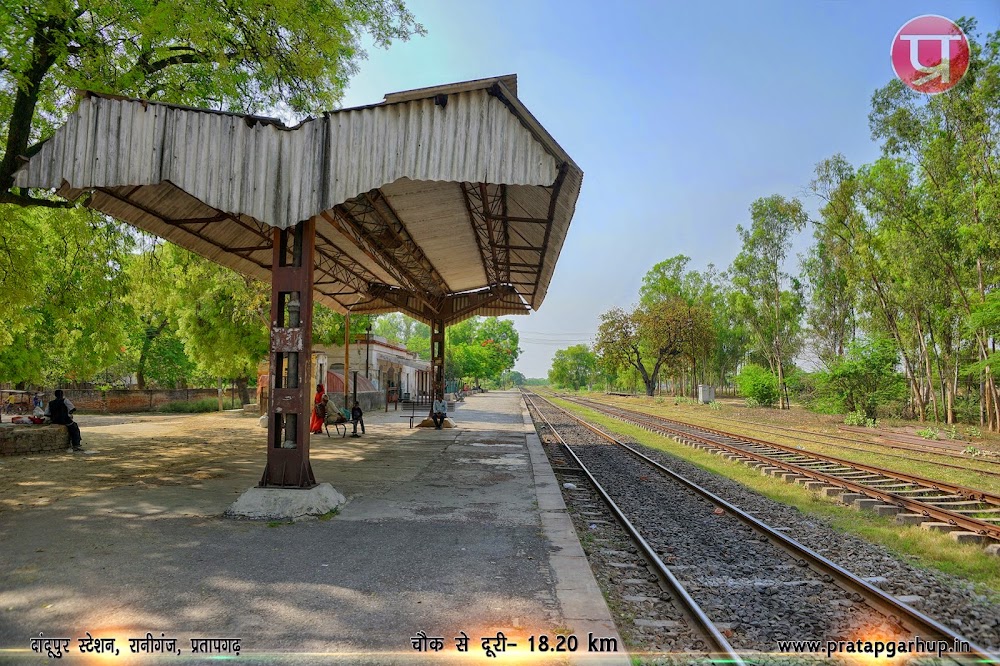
<point>339,424</point>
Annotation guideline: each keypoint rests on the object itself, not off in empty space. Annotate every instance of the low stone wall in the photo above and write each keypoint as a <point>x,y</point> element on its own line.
<point>119,401</point>
<point>20,439</point>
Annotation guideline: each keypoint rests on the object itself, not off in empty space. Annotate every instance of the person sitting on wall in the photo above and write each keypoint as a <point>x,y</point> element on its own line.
<point>320,401</point>
<point>357,416</point>
<point>60,411</point>
<point>439,412</point>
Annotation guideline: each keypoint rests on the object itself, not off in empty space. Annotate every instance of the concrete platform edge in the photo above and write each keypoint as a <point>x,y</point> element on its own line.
<point>583,606</point>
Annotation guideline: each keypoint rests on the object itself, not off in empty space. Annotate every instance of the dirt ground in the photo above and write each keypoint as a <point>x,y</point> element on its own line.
<point>129,450</point>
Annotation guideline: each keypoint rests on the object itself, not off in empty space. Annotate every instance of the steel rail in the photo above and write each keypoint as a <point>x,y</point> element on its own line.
<point>887,442</point>
<point>769,429</point>
<point>970,493</point>
<point>649,422</point>
<point>687,603</point>
<point>875,597</point>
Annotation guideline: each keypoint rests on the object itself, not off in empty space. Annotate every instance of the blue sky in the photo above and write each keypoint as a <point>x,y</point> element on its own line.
<point>679,113</point>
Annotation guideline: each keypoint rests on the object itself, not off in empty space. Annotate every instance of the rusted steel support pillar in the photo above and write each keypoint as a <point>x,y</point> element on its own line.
<point>437,361</point>
<point>290,404</point>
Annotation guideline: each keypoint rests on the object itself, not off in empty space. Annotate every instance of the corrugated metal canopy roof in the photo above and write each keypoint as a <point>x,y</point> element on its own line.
<point>442,202</point>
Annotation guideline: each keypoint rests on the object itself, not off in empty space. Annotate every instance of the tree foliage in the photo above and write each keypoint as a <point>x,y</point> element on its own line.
<point>652,337</point>
<point>864,378</point>
<point>480,348</point>
<point>574,367</point>
<point>771,312</point>
<point>64,277</point>
<point>758,385</point>
<point>77,306</point>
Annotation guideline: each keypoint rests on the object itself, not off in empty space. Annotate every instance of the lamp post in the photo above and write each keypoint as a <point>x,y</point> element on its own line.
<point>368,344</point>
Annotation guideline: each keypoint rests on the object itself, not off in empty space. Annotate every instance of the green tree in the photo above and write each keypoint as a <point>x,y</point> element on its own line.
<point>771,312</point>
<point>647,338</point>
<point>499,340</point>
<point>146,302</point>
<point>64,321</point>
<point>830,313</point>
<point>221,316</point>
<point>512,378</point>
<point>758,385</point>
<point>664,280</point>
<point>865,378</point>
<point>574,367</point>
<point>69,296</point>
<point>480,348</point>
<point>944,216</point>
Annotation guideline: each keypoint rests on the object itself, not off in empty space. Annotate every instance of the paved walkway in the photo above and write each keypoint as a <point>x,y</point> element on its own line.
<point>445,531</point>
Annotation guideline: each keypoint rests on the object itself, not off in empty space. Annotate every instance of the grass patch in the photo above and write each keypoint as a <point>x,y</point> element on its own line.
<point>876,454</point>
<point>198,406</point>
<point>329,514</point>
<point>920,547</point>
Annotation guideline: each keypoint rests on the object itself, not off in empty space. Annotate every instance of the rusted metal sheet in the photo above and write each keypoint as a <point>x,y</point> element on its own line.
<point>286,339</point>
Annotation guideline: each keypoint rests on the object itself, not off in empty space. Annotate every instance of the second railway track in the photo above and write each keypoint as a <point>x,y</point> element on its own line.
<point>758,584</point>
<point>975,513</point>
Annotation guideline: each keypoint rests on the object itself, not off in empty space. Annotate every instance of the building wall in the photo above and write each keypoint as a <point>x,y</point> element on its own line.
<point>384,363</point>
<point>119,401</point>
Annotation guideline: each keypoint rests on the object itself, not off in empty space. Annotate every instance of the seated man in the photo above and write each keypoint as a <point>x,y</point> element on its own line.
<point>439,412</point>
<point>357,416</point>
<point>60,411</point>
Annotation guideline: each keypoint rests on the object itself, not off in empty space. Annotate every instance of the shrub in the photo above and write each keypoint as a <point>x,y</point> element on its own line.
<point>802,386</point>
<point>859,419</point>
<point>864,378</point>
<point>893,409</point>
<point>928,433</point>
<point>967,408</point>
<point>757,384</point>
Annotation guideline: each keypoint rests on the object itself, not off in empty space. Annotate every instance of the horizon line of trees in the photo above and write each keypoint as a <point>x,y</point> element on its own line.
<point>898,297</point>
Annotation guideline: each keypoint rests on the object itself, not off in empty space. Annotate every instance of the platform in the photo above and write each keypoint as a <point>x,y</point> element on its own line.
<point>444,532</point>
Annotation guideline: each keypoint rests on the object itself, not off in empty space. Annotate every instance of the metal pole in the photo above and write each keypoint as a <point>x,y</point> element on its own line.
<point>347,354</point>
<point>368,345</point>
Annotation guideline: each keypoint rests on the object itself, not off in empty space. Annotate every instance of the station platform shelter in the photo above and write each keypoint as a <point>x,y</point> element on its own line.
<point>444,532</point>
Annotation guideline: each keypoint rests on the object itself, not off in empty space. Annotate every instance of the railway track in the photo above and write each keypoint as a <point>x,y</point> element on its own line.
<point>697,623</point>
<point>912,498</point>
<point>971,464</point>
<point>787,585</point>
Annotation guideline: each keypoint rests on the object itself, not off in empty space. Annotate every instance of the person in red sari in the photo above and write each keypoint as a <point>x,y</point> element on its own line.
<point>319,411</point>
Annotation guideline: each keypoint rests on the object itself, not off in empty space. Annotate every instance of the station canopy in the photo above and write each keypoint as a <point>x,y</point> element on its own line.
<point>442,202</point>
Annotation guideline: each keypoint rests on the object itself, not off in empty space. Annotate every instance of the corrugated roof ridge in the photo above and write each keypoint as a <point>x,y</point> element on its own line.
<point>508,80</point>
